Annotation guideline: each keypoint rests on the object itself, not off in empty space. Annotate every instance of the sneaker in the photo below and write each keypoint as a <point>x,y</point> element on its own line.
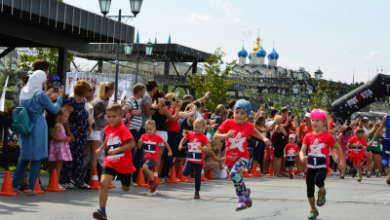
<point>291,177</point>
<point>196,196</point>
<point>304,175</point>
<point>359,179</point>
<point>135,184</point>
<point>354,172</point>
<point>241,205</point>
<point>313,214</point>
<point>301,174</point>
<point>16,190</point>
<point>153,185</point>
<point>337,172</point>
<point>341,177</point>
<point>321,200</point>
<point>31,193</point>
<point>248,200</point>
<point>99,214</point>
<point>59,186</point>
<point>368,175</point>
<point>285,174</point>
<point>388,181</point>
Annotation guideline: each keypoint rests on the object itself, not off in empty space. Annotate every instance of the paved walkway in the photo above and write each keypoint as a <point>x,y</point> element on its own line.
<point>273,198</point>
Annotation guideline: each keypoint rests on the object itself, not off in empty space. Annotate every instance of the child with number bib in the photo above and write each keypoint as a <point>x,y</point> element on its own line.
<point>319,143</point>
<point>195,156</point>
<point>150,144</point>
<point>357,145</point>
<point>235,132</point>
<point>290,152</point>
<point>118,162</point>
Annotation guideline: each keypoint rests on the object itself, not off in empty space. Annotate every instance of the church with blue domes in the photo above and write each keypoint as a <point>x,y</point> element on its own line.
<point>255,62</point>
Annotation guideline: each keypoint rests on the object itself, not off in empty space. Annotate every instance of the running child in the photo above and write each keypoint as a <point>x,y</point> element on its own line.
<point>195,156</point>
<point>290,153</point>
<point>357,145</point>
<point>320,143</point>
<point>59,146</point>
<point>118,162</point>
<point>150,142</point>
<point>374,152</point>
<point>235,132</point>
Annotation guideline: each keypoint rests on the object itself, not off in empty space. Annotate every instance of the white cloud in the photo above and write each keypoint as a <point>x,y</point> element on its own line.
<point>375,55</point>
<point>197,18</point>
<point>231,13</point>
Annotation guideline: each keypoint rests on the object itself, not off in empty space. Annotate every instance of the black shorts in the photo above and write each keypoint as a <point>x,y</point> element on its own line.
<point>290,163</point>
<point>150,163</point>
<point>377,153</point>
<point>125,178</point>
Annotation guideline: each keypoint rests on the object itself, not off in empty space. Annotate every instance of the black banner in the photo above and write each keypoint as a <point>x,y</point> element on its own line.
<point>360,97</point>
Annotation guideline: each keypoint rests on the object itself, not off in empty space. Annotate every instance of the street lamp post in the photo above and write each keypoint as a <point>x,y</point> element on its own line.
<point>105,8</point>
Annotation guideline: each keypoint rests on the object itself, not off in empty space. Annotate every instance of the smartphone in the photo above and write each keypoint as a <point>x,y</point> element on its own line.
<point>56,89</point>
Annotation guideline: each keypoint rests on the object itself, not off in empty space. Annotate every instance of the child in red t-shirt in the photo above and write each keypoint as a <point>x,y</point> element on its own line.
<point>319,143</point>
<point>150,143</point>
<point>119,161</point>
<point>290,152</point>
<point>195,156</point>
<point>357,146</point>
<point>235,132</point>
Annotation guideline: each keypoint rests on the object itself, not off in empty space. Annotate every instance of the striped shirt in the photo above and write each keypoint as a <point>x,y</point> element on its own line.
<point>135,121</point>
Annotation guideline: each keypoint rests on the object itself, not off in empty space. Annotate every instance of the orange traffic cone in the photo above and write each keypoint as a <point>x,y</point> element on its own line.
<point>94,183</point>
<point>203,177</point>
<point>329,172</point>
<point>37,188</point>
<point>111,186</point>
<point>287,170</point>
<point>189,177</point>
<point>271,170</point>
<point>210,175</point>
<point>181,177</point>
<point>245,173</point>
<point>155,175</point>
<point>253,172</point>
<point>228,174</point>
<point>141,179</point>
<point>296,171</point>
<point>53,185</point>
<point>6,189</point>
<point>172,177</point>
<point>258,170</point>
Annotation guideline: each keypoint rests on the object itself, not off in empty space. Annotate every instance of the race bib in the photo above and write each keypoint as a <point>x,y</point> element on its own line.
<point>291,157</point>
<point>357,148</point>
<point>113,146</point>
<point>149,147</point>
<point>194,156</point>
<point>375,143</point>
<point>316,162</point>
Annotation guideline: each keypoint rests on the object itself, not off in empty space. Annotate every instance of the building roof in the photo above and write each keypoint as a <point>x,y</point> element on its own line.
<point>50,23</point>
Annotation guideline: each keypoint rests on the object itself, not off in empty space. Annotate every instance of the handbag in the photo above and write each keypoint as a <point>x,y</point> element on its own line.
<point>21,123</point>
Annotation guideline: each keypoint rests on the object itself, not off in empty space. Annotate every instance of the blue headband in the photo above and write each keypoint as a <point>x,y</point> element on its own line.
<point>244,104</point>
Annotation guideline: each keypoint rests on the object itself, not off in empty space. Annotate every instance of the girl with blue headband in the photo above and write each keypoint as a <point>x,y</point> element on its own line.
<point>235,132</point>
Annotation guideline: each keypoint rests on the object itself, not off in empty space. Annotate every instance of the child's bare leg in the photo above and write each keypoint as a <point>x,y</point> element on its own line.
<point>103,192</point>
<point>126,188</point>
<point>148,173</point>
<point>291,170</point>
<point>359,168</point>
<point>58,166</point>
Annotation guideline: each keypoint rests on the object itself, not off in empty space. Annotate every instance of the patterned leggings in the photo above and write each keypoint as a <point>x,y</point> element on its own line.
<point>236,175</point>
<point>74,169</point>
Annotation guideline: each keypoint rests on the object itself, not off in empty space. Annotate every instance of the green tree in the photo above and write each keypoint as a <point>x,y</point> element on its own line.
<point>356,85</point>
<point>322,95</point>
<point>49,54</point>
<point>216,80</point>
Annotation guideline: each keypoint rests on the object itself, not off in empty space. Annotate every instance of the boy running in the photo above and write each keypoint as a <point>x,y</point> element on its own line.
<point>290,153</point>
<point>118,162</point>
<point>357,143</point>
<point>149,141</point>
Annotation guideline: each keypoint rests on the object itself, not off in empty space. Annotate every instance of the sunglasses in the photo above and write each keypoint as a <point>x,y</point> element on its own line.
<point>57,83</point>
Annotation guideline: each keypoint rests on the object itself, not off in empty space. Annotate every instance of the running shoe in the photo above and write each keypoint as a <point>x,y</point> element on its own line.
<point>313,214</point>
<point>248,200</point>
<point>368,175</point>
<point>354,172</point>
<point>196,196</point>
<point>359,179</point>
<point>99,214</point>
<point>321,200</point>
<point>241,205</point>
<point>388,181</point>
<point>291,177</point>
<point>341,177</point>
<point>377,173</point>
<point>153,186</point>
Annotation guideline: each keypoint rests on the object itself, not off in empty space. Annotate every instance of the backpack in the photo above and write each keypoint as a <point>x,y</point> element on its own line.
<point>21,123</point>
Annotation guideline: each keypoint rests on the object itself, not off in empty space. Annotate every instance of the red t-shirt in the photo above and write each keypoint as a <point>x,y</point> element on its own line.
<point>288,127</point>
<point>173,126</point>
<point>236,145</point>
<point>151,146</point>
<point>117,136</point>
<point>194,140</point>
<point>290,151</point>
<point>357,151</point>
<point>318,145</point>
<point>332,126</point>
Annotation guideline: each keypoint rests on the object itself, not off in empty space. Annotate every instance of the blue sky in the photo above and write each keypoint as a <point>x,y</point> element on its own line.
<point>337,36</point>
